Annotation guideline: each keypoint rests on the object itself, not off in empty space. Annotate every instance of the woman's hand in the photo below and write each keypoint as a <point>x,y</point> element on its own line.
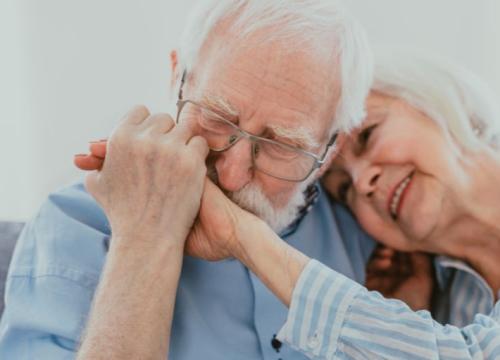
<point>221,228</point>
<point>404,276</point>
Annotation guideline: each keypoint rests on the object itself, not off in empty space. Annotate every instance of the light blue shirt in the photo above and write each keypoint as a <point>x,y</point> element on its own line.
<point>333,317</point>
<point>222,311</point>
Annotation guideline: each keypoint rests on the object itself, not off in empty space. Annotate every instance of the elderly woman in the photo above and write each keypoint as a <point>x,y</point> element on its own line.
<point>420,174</point>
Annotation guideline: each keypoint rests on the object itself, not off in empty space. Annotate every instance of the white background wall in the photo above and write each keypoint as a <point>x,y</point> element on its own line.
<point>70,69</point>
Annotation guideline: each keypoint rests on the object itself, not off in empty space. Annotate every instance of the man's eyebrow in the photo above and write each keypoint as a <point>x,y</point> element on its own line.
<point>220,106</point>
<point>299,136</point>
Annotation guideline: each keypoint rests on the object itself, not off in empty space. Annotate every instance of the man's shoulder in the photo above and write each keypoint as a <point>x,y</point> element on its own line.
<point>74,206</point>
<point>67,238</point>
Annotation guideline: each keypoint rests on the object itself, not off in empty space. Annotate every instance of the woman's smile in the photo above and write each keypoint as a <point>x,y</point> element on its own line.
<point>397,197</point>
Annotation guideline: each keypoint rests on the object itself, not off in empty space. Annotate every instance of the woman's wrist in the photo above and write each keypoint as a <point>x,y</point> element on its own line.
<point>248,233</point>
<point>277,264</point>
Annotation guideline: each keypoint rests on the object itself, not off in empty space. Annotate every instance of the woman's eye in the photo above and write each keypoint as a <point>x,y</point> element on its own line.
<point>343,191</point>
<point>364,135</point>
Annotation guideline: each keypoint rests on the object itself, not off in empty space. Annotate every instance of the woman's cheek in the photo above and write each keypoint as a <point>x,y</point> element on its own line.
<point>381,230</point>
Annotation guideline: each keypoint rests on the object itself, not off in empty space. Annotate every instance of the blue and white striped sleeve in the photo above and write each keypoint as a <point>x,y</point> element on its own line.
<point>333,317</point>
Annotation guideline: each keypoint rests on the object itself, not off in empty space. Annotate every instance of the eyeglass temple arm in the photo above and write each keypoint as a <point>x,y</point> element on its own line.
<point>183,80</point>
<point>330,144</point>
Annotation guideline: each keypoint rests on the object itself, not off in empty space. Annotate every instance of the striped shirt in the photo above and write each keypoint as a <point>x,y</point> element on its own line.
<point>461,293</point>
<point>333,317</point>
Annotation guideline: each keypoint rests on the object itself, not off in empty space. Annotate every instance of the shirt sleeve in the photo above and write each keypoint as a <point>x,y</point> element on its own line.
<point>49,286</point>
<point>333,317</point>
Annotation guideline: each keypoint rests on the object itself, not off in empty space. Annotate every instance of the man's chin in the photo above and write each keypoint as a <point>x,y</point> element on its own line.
<point>252,199</point>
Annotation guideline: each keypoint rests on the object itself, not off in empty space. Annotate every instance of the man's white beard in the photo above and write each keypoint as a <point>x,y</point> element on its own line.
<point>253,199</point>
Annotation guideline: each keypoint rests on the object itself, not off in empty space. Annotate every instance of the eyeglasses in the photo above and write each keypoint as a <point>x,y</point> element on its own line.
<point>276,159</point>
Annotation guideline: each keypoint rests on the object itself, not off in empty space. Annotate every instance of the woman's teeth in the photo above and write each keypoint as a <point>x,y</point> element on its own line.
<point>397,196</point>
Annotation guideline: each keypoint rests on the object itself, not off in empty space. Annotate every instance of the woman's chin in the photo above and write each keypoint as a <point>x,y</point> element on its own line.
<point>420,228</point>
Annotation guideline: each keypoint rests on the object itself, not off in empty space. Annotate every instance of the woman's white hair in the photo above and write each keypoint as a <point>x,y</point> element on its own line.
<point>321,25</point>
<point>452,96</point>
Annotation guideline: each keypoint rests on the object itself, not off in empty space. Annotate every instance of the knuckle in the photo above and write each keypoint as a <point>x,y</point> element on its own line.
<point>166,119</point>
<point>120,135</point>
<point>139,111</point>
<point>136,114</point>
<point>201,141</point>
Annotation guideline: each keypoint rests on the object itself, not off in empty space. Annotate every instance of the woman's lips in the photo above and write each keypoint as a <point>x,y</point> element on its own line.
<point>398,195</point>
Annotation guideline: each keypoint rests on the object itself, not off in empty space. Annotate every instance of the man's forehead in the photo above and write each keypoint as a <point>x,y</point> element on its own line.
<point>290,89</point>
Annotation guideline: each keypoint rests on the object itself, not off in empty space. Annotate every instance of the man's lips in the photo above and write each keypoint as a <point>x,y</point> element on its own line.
<point>395,200</point>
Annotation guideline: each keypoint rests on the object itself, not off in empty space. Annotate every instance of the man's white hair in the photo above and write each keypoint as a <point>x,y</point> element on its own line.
<point>319,25</point>
<point>452,96</point>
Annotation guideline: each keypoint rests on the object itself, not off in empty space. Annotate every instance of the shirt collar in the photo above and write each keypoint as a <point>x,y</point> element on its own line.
<point>311,195</point>
<point>446,267</point>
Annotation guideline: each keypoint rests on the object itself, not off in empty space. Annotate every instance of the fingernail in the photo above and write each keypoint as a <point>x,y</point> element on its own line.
<point>80,155</point>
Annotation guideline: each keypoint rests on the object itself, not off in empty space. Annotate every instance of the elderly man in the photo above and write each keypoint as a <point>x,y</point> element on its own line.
<point>263,88</point>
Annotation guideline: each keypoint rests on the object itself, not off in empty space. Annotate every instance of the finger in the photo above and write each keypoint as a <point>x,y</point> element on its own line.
<point>158,123</point>
<point>384,263</point>
<point>136,115</point>
<point>98,149</point>
<point>88,162</point>
<point>385,251</point>
<point>199,144</point>
<point>185,130</point>
<point>378,266</point>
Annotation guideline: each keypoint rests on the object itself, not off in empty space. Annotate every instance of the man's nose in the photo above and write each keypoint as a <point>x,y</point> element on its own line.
<point>366,179</point>
<point>234,166</point>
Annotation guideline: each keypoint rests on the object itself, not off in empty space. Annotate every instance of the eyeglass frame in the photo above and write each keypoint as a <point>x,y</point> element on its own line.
<point>318,160</point>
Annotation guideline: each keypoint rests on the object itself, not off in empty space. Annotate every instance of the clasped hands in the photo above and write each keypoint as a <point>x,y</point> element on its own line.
<point>150,179</point>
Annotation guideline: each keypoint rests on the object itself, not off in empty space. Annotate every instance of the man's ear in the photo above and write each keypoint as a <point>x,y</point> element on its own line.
<point>174,68</point>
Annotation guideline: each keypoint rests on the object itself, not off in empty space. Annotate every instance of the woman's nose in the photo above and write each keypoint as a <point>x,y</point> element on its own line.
<point>234,166</point>
<point>366,180</point>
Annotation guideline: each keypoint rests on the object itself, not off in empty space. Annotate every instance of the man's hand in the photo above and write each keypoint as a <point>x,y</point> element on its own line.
<point>220,222</point>
<point>149,179</point>
<point>152,178</point>
<point>404,276</point>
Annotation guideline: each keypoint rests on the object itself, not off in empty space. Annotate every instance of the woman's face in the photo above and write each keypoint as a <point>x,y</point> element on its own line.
<point>395,174</point>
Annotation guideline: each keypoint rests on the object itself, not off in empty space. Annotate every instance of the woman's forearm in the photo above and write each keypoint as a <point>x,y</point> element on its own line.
<point>277,264</point>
